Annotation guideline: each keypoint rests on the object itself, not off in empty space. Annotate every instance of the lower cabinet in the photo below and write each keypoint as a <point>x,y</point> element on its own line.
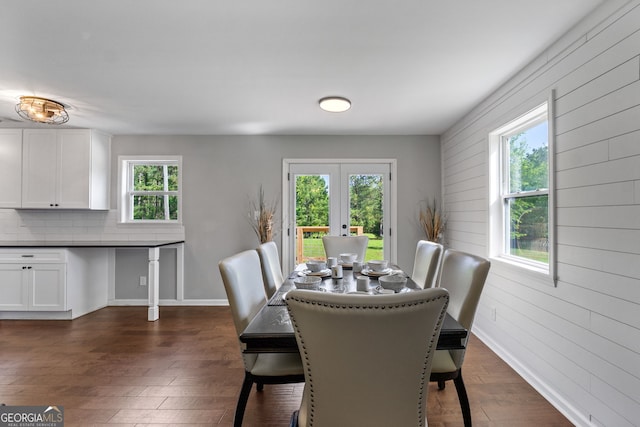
<point>52,283</point>
<point>33,287</point>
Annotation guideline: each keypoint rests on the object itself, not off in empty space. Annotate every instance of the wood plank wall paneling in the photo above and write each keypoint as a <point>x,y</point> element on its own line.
<point>577,342</point>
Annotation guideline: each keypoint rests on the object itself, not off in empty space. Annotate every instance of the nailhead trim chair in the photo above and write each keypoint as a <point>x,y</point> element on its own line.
<point>336,245</point>
<point>425,265</point>
<point>366,358</point>
<point>242,278</point>
<point>463,275</point>
<point>271,271</point>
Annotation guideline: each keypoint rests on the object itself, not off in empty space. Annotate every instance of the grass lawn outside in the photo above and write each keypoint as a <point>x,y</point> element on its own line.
<point>541,256</point>
<point>313,248</point>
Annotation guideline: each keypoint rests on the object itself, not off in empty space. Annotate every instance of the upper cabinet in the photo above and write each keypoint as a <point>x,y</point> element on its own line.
<point>65,169</point>
<point>10,168</point>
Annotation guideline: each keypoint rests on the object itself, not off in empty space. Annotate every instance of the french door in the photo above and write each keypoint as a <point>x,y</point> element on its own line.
<point>334,197</point>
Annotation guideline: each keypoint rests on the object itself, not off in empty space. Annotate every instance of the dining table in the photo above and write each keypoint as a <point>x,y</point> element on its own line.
<point>271,331</point>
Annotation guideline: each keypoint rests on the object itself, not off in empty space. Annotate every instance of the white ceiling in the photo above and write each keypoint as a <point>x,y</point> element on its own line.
<point>260,66</point>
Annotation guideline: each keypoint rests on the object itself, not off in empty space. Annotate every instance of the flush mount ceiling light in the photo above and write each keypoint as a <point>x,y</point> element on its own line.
<point>42,110</point>
<point>335,104</point>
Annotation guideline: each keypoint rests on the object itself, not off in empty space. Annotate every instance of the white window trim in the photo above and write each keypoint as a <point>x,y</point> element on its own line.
<point>496,229</point>
<point>124,170</point>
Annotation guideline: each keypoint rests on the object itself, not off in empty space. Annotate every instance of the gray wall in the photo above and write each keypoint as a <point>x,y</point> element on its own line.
<point>578,343</point>
<point>222,174</point>
<point>133,263</point>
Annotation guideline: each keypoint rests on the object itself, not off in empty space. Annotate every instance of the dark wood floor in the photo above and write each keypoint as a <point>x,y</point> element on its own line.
<point>114,368</point>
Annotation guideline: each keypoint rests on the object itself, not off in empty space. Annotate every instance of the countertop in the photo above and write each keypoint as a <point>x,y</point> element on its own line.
<point>88,244</point>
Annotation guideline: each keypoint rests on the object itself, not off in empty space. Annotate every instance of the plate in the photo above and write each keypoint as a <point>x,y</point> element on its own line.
<point>322,273</point>
<point>368,272</point>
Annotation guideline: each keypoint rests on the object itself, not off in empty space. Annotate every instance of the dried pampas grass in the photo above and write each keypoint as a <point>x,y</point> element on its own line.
<point>263,217</point>
<point>433,222</point>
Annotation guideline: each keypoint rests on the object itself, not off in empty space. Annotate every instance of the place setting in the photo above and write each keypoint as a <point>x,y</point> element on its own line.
<point>376,268</point>
<point>316,268</point>
<point>347,260</point>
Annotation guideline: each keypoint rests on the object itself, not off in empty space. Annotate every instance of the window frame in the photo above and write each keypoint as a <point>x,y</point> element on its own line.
<point>499,194</point>
<point>126,192</point>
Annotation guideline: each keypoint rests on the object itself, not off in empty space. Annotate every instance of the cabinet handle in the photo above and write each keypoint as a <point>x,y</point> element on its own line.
<point>29,268</point>
<point>50,204</point>
<point>27,256</point>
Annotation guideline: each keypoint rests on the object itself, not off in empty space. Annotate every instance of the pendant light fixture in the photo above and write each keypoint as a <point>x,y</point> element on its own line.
<point>42,110</point>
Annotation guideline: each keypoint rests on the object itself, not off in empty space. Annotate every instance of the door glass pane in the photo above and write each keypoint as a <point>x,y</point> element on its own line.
<point>365,211</point>
<point>312,216</point>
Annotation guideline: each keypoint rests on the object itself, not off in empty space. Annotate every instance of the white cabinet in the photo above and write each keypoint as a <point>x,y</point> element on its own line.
<point>47,287</point>
<point>65,169</point>
<point>52,283</point>
<point>10,168</point>
<point>29,282</point>
<point>14,292</point>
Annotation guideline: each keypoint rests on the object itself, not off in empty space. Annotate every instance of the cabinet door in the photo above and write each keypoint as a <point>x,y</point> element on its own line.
<point>39,168</point>
<point>74,171</point>
<point>10,168</point>
<point>14,289</point>
<point>48,287</point>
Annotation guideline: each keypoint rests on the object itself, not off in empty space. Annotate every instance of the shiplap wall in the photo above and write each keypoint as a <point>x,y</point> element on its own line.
<point>577,343</point>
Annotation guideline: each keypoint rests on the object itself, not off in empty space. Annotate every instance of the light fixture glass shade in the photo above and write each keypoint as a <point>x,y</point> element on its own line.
<point>335,104</point>
<point>42,110</point>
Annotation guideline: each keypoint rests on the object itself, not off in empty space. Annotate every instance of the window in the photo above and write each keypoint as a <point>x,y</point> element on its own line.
<point>521,226</point>
<point>150,189</point>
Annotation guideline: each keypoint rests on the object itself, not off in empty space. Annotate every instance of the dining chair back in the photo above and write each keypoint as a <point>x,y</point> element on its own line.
<point>242,279</point>
<point>463,275</point>
<point>426,262</point>
<point>336,245</point>
<point>365,361</point>
<point>271,271</point>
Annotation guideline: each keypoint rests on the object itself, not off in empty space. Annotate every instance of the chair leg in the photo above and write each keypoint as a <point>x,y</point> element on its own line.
<point>242,399</point>
<point>464,400</point>
<point>260,386</point>
<point>441,385</point>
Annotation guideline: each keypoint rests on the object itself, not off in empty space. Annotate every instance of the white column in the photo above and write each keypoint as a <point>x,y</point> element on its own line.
<point>154,283</point>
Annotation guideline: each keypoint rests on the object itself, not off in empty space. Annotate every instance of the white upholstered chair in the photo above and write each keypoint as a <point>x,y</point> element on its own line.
<point>426,262</point>
<point>366,363</point>
<point>463,275</point>
<point>336,245</point>
<point>242,278</point>
<point>271,271</point>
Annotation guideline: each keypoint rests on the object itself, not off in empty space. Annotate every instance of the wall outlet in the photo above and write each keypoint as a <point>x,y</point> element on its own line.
<point>143,281</point>
<point>493,314</point>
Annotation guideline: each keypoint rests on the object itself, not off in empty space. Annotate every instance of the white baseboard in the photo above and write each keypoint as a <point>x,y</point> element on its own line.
<point>35,315</point>
<point>561,404</point>
<point>46,315</point>
<point>170,302</point>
